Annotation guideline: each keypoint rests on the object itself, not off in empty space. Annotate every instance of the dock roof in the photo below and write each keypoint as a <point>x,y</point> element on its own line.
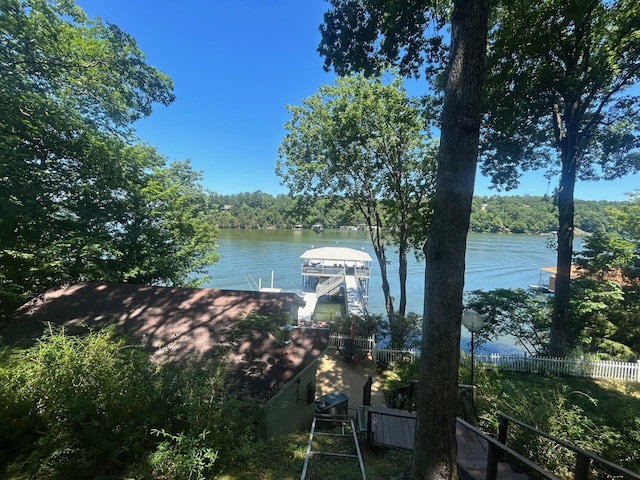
<point>342,254</point>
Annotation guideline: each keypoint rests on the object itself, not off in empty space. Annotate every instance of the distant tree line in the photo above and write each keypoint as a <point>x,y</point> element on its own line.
<point>489,214</point>
<point>531,214</point>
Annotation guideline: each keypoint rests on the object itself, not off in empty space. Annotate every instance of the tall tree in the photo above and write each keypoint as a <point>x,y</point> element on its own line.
<point>559,77</point>
<point>357,34</point>
<point>72,185</point>
<point>160,229</point>
<point>366,140</point>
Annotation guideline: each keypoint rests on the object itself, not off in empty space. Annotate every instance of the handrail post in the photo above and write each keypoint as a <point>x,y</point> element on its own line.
<point>369,431</point>
<point>503,425</point>
<point>583,464</point>
<point>492,463</point>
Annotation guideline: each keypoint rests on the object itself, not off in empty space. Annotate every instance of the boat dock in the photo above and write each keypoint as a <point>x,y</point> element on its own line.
<point>332,271</point>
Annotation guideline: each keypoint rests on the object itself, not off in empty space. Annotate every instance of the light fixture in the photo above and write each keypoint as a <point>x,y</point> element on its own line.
<point>473,322</point>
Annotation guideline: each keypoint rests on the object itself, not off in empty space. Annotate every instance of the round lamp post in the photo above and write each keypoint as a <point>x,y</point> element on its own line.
<point>473,322</point>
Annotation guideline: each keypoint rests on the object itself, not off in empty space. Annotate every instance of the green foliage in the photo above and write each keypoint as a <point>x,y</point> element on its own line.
<point>560,97</point>
<point>626,215</point>
<point>80,404</point>
<point>80,200</point>
<point>519,313</point>
<point>400,374</point>
<point>592,328</point>
<point>365,327</point>
<point>182,457</point>
<point>593,415</point>
<point>584,68</point>
<point>365,140</point>
<point>367,36</point>
<point>606,308</point>
<point>602,325</point>
<point>605,255</point>
<point>496,214</point>
<point>197,400</point>
<point>265,325</point>
<point>88,408</point>
<point>405,331</point>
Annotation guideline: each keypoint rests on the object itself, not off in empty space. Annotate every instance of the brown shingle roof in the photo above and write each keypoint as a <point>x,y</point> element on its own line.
<point>176,323</point>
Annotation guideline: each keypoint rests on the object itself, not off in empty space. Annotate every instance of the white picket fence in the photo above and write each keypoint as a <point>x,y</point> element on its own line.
<point>361,343</point>
<point>626,371</point>
<point>579,367</point>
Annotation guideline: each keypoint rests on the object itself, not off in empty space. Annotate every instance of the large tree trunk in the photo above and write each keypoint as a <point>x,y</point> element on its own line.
<point>386,290</point>
<point>567,141</point>
<point>435,441</point>
<point>402,274</point>
<point>560,319</point>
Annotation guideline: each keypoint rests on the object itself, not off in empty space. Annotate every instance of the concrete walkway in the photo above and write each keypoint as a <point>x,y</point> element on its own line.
<point>335,374</point>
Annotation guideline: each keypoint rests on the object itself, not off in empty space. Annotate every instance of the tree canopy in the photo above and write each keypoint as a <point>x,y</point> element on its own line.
<point>77,200</point>
<point>365,140</point>
<point>368,35</point>
<point>559,97</point>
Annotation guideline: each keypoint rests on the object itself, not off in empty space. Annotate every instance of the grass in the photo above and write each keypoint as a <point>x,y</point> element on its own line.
<point>283,458</point>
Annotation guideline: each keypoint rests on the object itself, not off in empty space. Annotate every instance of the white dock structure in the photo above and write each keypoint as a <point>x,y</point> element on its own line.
<point>328,270</point>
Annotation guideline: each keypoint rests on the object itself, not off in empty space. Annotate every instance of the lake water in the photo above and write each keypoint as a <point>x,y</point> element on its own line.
<point>252,257</point>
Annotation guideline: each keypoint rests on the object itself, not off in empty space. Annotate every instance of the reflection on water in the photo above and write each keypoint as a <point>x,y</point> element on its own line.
<point>249,257</point>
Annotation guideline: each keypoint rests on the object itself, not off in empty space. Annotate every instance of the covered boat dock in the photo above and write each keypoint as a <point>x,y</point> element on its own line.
<point>328,270</point>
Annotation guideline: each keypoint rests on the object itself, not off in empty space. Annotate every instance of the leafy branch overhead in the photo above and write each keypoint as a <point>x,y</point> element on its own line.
<point>560,96</point>
<point>79,197</point>
<point>367,36</point>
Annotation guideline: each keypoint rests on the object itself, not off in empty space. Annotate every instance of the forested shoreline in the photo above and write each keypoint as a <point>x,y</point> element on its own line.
<point>489,214</point>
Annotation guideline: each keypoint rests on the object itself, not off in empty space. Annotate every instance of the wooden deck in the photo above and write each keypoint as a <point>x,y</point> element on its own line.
<point>472,451</point>
<point>396,428</point>
<point>391,427</point>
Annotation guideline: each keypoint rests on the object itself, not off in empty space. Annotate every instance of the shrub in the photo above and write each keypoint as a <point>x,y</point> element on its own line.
<point>181,456</point>
<point>94,407</point>
<point>581,411</point>
<point>83,405</point>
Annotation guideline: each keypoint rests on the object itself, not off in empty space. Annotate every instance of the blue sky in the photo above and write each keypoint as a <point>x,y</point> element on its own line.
<point>235,65</point>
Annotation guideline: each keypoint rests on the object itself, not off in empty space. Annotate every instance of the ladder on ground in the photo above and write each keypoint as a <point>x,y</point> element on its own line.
<point>340,440</point>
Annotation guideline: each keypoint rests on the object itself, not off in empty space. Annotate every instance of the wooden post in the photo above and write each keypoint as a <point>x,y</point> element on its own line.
<point>503,425</point>
<point>366,392</point>
<point>369,430</point>
<point>583,464</point>
<point>492,463</point>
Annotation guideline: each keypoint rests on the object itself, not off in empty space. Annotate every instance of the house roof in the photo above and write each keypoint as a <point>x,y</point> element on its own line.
<point>176,323</point>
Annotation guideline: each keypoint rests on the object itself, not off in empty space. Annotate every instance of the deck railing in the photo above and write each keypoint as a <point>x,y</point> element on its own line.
<point>581,367</point>
<point>585,462</point>
<point>329,286</point>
